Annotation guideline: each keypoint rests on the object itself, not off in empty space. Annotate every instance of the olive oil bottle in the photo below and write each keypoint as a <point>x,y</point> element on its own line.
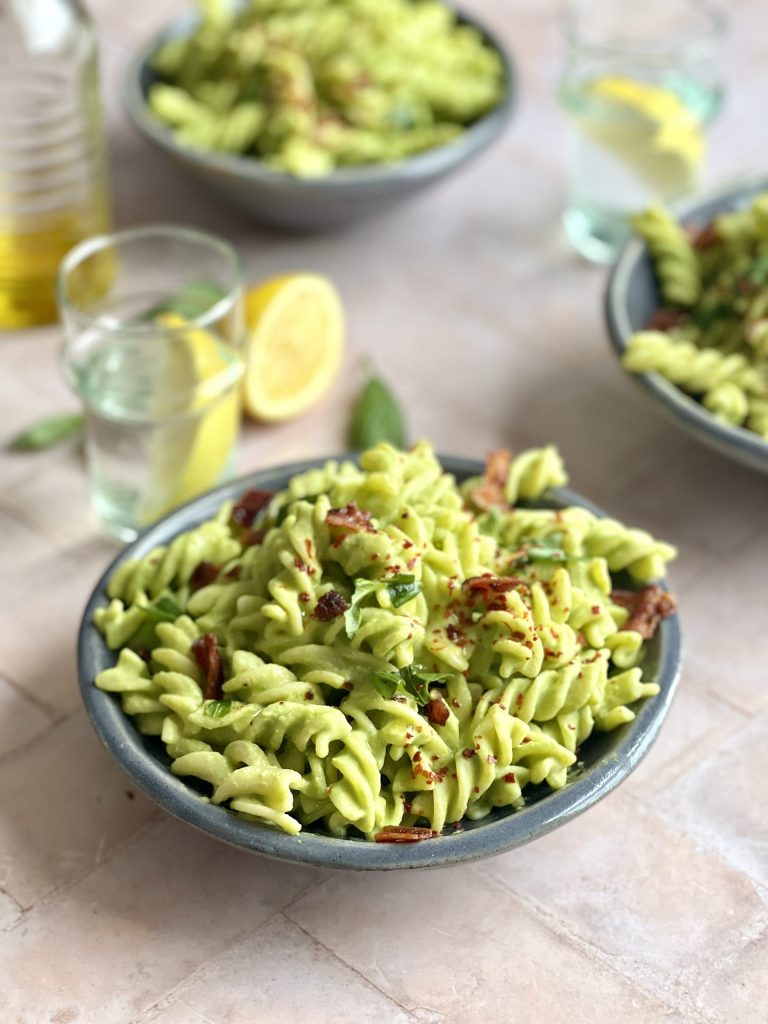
<point>53,183</point>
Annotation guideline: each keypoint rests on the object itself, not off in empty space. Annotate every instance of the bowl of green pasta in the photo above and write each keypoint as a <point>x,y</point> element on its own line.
<point>311,117</point>
<point>390,661</point>
<point>687,312</point>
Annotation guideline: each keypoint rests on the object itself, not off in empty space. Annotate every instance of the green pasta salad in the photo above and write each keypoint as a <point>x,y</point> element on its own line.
<point>308,87</point>
<point>377,651</point>
<point>710,338</point>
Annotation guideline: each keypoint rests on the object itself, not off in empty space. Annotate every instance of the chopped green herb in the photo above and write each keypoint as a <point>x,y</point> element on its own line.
<point>401,589</point>
<point>411,679</point>
<point>217,708</point>
<point>47,433</point>
<point>162,610</point>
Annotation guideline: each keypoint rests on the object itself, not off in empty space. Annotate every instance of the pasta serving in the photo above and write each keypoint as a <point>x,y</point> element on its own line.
<point>711,336</point>
<point>378,651</point>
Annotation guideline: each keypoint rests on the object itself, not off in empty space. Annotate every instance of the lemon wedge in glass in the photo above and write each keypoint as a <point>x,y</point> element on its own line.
<point>648,127</point>
<point>197,398</point>
<point>295,340</point>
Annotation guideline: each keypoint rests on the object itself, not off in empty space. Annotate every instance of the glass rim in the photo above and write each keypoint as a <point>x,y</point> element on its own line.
<point>99,243</point>
<point>690,42</point>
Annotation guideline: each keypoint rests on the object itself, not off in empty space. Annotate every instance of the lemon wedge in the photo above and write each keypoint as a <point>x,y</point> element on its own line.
<point>295,342</point>
<point>198,399</point>
<point>648,127</point>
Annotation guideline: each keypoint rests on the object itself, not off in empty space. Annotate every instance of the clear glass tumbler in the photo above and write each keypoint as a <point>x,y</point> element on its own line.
<point>640,85</point>
<point>153,341</point>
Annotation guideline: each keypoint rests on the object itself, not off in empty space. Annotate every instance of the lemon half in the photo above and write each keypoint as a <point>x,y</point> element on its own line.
<point>295,343</point>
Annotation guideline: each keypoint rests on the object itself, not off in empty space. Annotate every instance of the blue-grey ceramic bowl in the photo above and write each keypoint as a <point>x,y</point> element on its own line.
<point>309,204</point>
<point>631,298</point>
<point>608,757</point>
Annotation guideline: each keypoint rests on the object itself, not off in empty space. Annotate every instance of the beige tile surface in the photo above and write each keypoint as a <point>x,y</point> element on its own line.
<point>652,907</point>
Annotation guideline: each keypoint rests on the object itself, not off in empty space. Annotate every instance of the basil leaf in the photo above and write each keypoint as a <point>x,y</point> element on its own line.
<point>352,620</point>
<point>47,432</point>
<point>376,417</point>
<point>363,588</point>
<point>387,683</point>
<point>217,708</point>
<point>162,610</point>
<point>402,588</point>
<point>192,301</point>
<point>411,679</point>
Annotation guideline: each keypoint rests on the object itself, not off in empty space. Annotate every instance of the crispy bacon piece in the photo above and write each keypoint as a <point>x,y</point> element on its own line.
<point>329,606</point>
<point>248,506</point>
<point>437,711</point>
<point>206,654</point>
<point>647,607</point>
<point>204,574</point>
<point>490,492</point>
<point>703,238</point>
<point>250,538</point>
<point>404,834</point>
<point>665,319</point>
<point>351,517</point>
<point>487,585</point>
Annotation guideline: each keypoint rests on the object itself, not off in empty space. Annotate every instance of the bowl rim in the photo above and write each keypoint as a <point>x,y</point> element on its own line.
<point>474,138</point>
<point>496,835</point>
<point>738,442</point>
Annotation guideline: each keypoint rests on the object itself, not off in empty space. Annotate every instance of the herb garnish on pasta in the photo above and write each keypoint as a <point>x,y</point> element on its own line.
<point>375,651</point>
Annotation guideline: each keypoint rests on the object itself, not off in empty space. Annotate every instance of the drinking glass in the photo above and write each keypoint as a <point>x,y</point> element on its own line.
<point>640,85</point>
<point>153,343</point>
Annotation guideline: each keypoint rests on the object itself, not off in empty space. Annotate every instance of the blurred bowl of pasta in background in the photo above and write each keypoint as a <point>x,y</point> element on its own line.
<point>633,301</point>
<point>311,197</point>
<point>605,758</point>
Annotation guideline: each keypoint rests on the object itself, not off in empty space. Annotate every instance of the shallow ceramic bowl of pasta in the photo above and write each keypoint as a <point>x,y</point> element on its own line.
<point>632,297</point>
<point>606,758</point>
<point>311,203</point>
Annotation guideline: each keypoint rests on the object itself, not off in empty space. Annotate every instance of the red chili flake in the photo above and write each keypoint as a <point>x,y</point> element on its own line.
<point>205,573</point>
<point>250,538</point>
<point>407,544</point>
<point>454,634</point>
<point>487,585</point>
<point>404,834</point>
<point>412,561</point>
<point>549,653</point>
<point>329,606</point>
<point>647,607</point>
<point>417,756</point>
<point>437,711</point>
<point>309,548</point>
<point>304,596</point>
<point>207,656</point>
<point>406,806</point>
<point>510,777</point>
<point>527,739</point>
<point>476,789</point>
<point>519,700</point>
<point>456,703</point>
<point>435,757</point>
<point>595,609</point>
<point>248,506</point>
<point>234,572</point>
<point>309,695</point>
<point>490,492</point>
<point>491,759</point>
<point>467,752</point>
<point>300,565</point>
<point>351,518</point>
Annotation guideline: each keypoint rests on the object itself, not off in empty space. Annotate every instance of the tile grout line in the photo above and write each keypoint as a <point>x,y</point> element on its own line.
<point>47,709</point>
<point>336,956</point>
<point>594,953</point>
